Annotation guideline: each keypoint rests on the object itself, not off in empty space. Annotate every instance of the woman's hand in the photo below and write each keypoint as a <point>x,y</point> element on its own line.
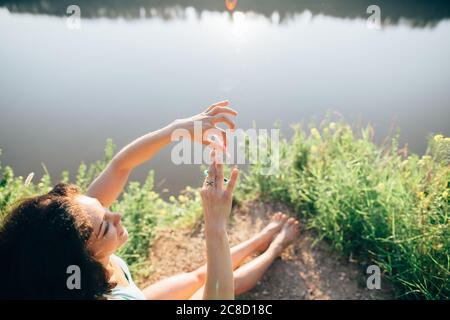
<point>217,199</point>
<point>219,112</point>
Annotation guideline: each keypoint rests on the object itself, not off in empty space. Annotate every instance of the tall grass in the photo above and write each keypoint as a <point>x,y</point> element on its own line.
<point>380,205</point>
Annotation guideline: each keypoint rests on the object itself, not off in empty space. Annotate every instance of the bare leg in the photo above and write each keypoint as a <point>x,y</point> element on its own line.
<point>247,276</point>
<point>184,285</point>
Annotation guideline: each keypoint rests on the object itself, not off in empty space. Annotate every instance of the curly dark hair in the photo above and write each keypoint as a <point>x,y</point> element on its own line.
<point>39,239</point>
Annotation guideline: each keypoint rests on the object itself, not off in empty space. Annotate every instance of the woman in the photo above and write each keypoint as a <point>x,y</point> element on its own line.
<point>47,241</point>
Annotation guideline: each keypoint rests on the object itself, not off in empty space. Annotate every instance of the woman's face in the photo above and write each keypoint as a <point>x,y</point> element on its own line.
<point>108,232</point>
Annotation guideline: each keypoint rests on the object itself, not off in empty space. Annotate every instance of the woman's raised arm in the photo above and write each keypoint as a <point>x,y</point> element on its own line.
<point>110,183</point>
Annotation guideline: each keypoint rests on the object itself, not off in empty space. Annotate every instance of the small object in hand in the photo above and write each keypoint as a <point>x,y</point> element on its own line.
<point>225,180</point>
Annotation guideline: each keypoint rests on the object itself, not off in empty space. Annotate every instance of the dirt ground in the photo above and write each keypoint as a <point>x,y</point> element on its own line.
<point>302,272</point>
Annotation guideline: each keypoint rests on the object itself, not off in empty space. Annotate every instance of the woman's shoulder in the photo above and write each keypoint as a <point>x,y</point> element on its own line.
<point>120,262</point>
<point>130,292</point>
<point>124,266</point>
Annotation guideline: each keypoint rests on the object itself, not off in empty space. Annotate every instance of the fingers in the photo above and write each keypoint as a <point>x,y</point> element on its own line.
<point>219,113</point>
<point>224,139</point>
<point>220,138</point>
<point>214,145</point>
<point>223,118</point>
<point>233,178</point>
<point>218,104</point>
<point>221,110</point>
<point>211,171</point>
<point>219,175</point>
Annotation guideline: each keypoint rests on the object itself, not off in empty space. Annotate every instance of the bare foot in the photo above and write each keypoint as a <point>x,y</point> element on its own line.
<point>288,233</point>
<point>271,230</point>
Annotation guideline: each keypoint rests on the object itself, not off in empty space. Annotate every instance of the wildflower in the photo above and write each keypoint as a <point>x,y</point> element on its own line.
<point>315,133</point>
<point>332,125</point>
<point>445,194</point>
<point>172,199</point>
<point>424,160</point>
<point>438,137</point>
<point>420,195</point>
<point>182,198</point>
<point>447,139</point>
<point>313,149</point>
<point>380,186</point>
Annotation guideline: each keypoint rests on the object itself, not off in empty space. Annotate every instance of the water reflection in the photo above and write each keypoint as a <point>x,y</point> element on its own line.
<point>418,13</point>
<point>64,92</point>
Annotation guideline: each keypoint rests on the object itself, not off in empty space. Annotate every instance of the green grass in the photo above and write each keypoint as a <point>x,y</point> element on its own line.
<point>378,204</point>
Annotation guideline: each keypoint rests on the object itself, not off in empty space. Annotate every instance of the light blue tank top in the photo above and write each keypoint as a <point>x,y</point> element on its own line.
<point>130,292</point>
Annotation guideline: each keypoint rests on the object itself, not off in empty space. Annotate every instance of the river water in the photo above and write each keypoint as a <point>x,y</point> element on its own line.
<point>134,66</point>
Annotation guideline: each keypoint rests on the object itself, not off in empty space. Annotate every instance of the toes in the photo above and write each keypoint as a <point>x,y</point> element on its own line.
<point>293,226</point>
<point>279,216</point>
<point>285,219</point>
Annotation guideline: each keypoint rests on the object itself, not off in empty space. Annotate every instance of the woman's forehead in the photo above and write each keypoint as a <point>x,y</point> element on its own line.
<point>92,207</point>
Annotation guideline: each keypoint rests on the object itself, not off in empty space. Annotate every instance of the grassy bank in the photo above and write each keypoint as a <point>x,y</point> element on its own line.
<point>377,204</point>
